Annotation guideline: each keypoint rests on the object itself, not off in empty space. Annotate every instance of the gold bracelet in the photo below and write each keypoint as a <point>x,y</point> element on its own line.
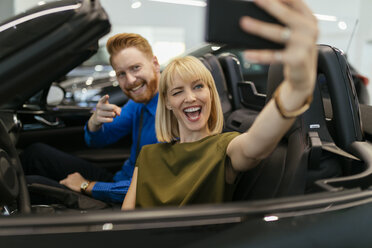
<point>290,114</point>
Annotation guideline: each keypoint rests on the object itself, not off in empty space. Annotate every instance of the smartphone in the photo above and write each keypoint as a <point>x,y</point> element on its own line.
<point>222,24</point>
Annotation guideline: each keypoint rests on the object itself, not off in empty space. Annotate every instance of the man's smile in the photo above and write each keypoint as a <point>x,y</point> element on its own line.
<point>136,88</point>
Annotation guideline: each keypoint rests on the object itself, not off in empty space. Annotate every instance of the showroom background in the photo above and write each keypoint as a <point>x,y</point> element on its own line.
<point>175,28</point>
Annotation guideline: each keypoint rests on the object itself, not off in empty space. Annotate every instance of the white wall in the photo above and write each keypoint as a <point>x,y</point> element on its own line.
<point>161,15</point>
<point>6,9</point>
<point>180,22</point>
<point>356,41</point>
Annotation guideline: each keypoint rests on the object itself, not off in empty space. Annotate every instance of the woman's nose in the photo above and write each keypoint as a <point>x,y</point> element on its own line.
<point>190,97</point>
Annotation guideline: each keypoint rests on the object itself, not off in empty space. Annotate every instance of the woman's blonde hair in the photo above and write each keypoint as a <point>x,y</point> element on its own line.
<point>188,69</point>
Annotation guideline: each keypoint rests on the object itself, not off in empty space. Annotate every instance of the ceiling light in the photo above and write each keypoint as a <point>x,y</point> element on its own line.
<point>136,4</point>
<point>342,25</point>
<point>271,218</point>
<point>183,2</point>
<point>326,18</point>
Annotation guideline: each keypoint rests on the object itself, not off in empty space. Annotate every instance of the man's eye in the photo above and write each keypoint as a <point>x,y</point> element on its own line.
<point>136,68</point>
<point>120,74</point>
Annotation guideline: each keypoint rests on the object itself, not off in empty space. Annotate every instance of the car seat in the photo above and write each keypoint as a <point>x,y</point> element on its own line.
<point>284,172</point>
<point>346,121</point>
<point>233,74</point>
<point>13,188</point>
<point>211,62</point>
<point>247,102</point>
<point>308,152</point>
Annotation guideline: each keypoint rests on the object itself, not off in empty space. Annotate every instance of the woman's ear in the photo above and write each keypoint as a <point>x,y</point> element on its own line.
<point>167,105</point>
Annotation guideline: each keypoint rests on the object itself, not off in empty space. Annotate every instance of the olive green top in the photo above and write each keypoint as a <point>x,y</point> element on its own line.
<point>176,174</point>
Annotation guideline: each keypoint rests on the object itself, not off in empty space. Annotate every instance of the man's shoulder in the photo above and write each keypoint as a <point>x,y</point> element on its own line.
<point>131,107</point>
<point>132,104</point>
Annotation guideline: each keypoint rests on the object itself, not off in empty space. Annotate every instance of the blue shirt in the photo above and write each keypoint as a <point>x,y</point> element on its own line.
<point>126,123</point>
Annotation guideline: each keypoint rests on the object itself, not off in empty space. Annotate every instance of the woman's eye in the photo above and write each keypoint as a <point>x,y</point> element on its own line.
<point>176,93</point>
<point>199,86</point>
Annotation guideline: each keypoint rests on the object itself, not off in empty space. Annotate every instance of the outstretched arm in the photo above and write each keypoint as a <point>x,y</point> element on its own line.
<point>130,199</point>
<point>300,63</point>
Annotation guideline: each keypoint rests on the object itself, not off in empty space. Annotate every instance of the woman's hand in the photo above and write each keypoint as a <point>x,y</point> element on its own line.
<point>299,37</point>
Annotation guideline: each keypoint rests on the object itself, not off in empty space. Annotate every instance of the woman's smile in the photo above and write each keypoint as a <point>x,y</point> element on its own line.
<point>193,113</point>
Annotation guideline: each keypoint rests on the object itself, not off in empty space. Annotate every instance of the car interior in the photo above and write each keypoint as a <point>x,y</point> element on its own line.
<point>316,150</point>
<point>307,160</point>
<point>314,156</point>
<point>324,151</point>
<point>299,160</point>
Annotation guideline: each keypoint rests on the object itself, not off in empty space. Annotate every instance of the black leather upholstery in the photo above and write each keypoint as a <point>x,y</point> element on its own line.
<point>284,172</point>
<point>212,63</point>
<point>231,68</point>
<point>298,161</point>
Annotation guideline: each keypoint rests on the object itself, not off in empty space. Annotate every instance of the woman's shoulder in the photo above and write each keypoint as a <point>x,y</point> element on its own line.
<point>222,137</point>
<point>213,139</point>
<point>153,152</point>
<point>228,135</point>
<point>156,146</point>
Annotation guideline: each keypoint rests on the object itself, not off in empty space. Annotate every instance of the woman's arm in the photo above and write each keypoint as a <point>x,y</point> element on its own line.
<point>130,199</point>
<point>300,63</point>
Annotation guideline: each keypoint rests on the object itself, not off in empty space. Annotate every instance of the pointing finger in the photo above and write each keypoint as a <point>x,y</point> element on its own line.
<point>104,99</point>
<point>117,110</point>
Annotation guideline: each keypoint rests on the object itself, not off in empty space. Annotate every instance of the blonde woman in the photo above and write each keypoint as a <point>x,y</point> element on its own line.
<point>196,163</point>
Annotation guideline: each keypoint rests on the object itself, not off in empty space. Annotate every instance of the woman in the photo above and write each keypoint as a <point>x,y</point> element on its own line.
<point>198,164</point>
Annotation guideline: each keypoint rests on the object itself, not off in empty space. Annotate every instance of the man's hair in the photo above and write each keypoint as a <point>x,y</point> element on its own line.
<point>121,41</point>
<point>188,69</point>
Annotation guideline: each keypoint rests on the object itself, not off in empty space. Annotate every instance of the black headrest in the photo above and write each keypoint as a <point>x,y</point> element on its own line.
<point>233,73</point>
<point>332,63</point>
<point>274,78</point>
<point>211,62</point>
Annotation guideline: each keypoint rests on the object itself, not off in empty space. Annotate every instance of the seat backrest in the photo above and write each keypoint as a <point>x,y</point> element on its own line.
<point>244,93</point>
<point>282,173</point>
<point>298,161</point>
<point>212,63</point>
<point>246,101</point>
<point>233,74</point>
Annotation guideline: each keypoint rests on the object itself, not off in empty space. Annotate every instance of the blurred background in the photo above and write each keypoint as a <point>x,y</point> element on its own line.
<point>177,26</point>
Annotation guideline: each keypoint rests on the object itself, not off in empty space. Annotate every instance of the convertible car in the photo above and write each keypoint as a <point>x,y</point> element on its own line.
<point>312,191</point>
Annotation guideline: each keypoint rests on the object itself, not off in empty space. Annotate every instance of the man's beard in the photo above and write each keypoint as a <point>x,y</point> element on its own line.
<point>152,88</point>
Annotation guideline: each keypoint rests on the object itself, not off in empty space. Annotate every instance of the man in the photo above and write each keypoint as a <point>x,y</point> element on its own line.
<point>138,74</point>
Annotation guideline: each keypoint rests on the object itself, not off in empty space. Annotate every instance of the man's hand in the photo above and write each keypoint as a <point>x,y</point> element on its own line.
<point>104,113</point>
<point>74,181</point>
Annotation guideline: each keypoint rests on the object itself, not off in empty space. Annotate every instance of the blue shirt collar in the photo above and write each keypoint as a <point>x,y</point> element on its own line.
<point>151,106</point>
